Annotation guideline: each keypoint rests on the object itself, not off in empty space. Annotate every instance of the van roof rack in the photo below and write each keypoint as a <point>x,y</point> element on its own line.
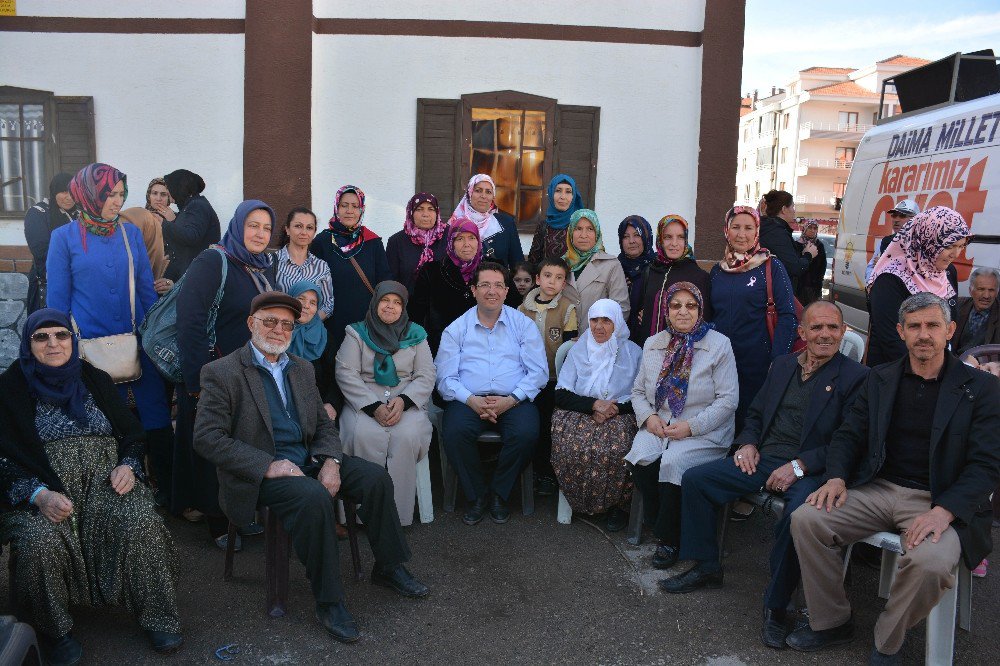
<point>950,80</point>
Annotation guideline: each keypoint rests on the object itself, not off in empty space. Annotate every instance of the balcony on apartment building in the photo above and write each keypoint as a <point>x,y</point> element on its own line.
<point>836,131</point>
<point>815,202</point>
<point>814,167</point>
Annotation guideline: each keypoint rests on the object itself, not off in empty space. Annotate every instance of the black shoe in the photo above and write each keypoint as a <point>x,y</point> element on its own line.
<point>546,486</point>
<point>692,580</point>
<point>477,511</point>
<point>737,517</point>
<point>165,642</point>
<point>774,631</point>
<point>498,510</point>
<point>808,640</point>
<point>399,579</point>
<point>338,621</point>
<point>617,520</point>
<point>877,658</point>
<point>62,651</point>
<point>665,557</point>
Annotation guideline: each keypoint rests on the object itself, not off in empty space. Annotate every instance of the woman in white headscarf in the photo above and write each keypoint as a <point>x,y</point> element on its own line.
<point>593,424</point>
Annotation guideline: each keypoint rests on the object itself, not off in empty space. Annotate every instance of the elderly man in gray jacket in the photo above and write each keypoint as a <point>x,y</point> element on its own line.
<point>261,422</point>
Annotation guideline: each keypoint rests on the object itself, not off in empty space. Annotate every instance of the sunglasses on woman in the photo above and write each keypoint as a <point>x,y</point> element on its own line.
<point>61,336</point>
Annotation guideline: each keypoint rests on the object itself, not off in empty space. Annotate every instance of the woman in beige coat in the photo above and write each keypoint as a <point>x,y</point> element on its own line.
<point>594,274</point>
<point>386,373</point>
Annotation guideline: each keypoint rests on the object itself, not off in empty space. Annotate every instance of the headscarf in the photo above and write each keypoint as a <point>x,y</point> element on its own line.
<point>149,188</point>
<point>576,259</point>
<point>58,184</point>
<point>308,340</point>
<point>607,370</point>
<point>387,339</point>
<point>62,387</point>
<point>350,241</point>
<point>633,265</point>
<point>661,256</point>
<point>560,219</point>
<point>456,227</point>
<point>736,262</point>
<point>425,238</point>
<point>672,384</point>
<point>232,241</point>
<point>487,222</point>
<point>90,189</point>
<point>183,186</point>
<point>914,249</point>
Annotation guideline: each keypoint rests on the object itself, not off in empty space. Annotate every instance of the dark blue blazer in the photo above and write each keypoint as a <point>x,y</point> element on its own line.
<point>834,389</point>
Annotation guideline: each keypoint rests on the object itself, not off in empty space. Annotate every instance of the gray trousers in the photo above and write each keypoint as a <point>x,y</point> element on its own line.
<point>924,573</point>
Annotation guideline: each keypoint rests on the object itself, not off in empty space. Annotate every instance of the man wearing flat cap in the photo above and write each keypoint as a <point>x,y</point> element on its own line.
<point>261,422</point>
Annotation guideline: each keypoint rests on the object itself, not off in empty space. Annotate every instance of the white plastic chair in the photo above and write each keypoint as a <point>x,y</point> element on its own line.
<point>565,512</point>
<point>852,345</point>
<point>425,500</point>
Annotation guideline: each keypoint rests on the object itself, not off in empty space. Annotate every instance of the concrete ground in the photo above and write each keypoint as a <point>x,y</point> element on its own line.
<point>531,591</point>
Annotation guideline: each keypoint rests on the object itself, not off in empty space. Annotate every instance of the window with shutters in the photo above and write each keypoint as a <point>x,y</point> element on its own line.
<point>520,140</point>
<point>41,134</point>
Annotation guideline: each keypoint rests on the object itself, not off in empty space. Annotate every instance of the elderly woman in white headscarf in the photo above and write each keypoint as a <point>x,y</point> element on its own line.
<point>593,424</point>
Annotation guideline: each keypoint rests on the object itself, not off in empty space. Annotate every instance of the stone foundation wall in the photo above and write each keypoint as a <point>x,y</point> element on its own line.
<point>13,297</point>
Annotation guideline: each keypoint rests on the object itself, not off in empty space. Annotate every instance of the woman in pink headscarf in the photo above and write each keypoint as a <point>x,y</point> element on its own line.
<point>916,260</point>
<point>497,229</point>
<point>421,241</point>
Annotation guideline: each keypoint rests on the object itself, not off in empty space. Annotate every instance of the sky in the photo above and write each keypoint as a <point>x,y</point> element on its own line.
<point>783,37</point>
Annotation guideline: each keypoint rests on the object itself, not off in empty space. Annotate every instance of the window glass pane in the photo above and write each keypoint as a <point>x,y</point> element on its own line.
<point>34,171</point>
<point>34,121</point>
<point>534,129</point>
<point>509,145</point>
<point>10,121</point>
<point>505,198</point>
<point>531,204</point>
<point>10,173</point>
<point>532,162</point>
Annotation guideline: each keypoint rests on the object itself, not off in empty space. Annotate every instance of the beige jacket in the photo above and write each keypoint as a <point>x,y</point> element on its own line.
<point>603,277</point>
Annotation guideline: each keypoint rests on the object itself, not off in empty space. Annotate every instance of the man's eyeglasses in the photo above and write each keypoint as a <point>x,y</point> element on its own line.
<point>675,306</point>
<point>499,286</point>
<point>61,336</point>
<point>271,322</point>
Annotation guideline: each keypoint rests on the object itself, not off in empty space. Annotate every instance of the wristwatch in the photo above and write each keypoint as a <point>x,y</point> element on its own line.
<point>797,468</point>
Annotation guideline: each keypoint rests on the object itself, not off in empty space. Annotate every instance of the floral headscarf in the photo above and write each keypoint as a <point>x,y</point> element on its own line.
<point>913,251</point>
<point>576,259</point>
<point>456,227</point>
<point>560,219</point>
<point>736,262</point>
<point>487,223</point>
<point>425,238</point>
<point>350,241</point>
<point>672,384</point>
<point>661,256</point>
<point>633,265</point>
<point>149,189</point>
<point>90,189</point>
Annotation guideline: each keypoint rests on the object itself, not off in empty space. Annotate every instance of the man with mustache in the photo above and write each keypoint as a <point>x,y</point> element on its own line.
<point>916,454</point>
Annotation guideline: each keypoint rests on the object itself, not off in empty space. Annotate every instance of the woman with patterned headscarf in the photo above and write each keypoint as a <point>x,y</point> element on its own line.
<point>684,398</point>
<point>497,229</point>
<point>194,228</point>
<point>88,278</point>
<point>442,293</point>
<point>916,260</point>
<point>421,241</point>
<point>740,303</point>
<point>674,262</point>
<point>594,274</point>
<point>356,257</point>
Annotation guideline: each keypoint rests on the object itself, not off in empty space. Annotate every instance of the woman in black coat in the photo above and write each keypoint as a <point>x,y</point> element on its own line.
<point>497,229</point>
<point>420,242</point>
<point>776,235</point>
<point>39,222</point>
<point>194,228</point>
<point>357,262</point>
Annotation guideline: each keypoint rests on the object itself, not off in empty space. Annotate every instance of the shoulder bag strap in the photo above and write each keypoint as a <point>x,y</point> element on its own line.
<point>361,274</point>
<point>767,282</point>
<point>131,274</point>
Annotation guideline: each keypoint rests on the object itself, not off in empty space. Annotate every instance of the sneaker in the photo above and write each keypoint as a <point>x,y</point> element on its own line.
<point>223,541</point>
<point>980,571</point>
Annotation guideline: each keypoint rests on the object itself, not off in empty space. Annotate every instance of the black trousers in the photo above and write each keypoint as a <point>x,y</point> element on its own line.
<point>661,503</point>
<point>545,401</point>
<point>308,514</point>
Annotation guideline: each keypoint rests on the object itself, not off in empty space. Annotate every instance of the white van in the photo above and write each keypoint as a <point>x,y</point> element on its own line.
<point>946,155</point>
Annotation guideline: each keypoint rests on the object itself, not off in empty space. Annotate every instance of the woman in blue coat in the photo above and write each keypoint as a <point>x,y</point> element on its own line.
<point>497,229</point>
<point>739,301</point>
<point>88,278</point>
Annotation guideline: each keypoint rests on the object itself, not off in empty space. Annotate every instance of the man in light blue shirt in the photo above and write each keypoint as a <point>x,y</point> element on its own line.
<point>490,366</point>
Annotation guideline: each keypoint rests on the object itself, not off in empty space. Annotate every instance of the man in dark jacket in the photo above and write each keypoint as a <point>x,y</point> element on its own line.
<point>978,320</point>
<point>782,447</point>
<point>919,452</point>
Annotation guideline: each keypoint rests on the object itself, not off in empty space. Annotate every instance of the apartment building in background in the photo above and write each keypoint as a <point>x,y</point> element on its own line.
<point>802,138</point>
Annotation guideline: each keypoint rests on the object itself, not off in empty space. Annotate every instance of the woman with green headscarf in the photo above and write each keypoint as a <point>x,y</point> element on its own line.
<point>386,373</point>
<point>594,274</point>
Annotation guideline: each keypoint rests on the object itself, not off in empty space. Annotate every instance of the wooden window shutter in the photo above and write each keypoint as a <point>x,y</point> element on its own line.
<point>439,160</point>
<point>577,130</point>
<point>75,146</point>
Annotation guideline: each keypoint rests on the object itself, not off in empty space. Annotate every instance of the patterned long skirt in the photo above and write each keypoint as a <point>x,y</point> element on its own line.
<point>589,460</point>
<point>114,550</point>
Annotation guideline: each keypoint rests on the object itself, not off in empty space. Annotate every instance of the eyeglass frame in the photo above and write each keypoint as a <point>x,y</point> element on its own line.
<point>286,326</point>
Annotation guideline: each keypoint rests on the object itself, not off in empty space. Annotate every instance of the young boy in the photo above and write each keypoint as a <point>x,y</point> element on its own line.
<point>555,317</point>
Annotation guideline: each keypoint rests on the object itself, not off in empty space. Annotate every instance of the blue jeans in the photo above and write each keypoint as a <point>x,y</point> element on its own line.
<point>706,487</point>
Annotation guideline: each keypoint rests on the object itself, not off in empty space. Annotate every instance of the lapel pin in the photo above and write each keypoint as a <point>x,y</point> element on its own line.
<point>829,388</point>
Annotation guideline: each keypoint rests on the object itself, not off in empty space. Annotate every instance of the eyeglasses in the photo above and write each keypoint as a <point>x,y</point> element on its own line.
<point>893,213</point>
<point>499,286</point>
<point>675,306</point>
<point>271,322</point>
<point>61,336</point>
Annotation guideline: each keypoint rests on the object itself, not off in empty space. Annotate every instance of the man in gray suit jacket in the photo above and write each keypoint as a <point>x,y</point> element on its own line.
<point>261,422</point>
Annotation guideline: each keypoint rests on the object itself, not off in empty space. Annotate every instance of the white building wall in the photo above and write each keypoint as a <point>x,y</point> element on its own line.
<point>364,125</point>
<point>161,102</point>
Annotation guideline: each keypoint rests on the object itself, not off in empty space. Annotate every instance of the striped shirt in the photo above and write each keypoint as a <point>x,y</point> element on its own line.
<point>313,269</point>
